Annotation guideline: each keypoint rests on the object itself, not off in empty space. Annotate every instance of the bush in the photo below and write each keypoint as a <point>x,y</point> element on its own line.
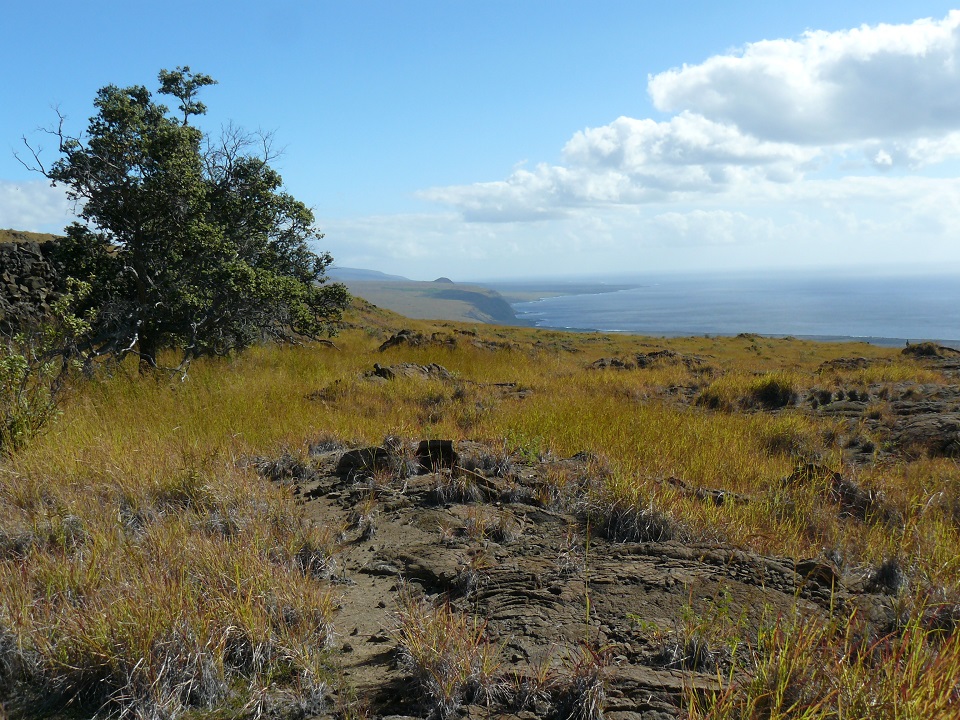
<point>769,391</point>
<point>34,365</point>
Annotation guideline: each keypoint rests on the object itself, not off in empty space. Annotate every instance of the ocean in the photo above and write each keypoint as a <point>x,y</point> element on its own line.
<point>882,310</point>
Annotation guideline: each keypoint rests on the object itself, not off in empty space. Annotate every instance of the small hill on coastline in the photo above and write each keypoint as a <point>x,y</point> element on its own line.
<point>347,274</point>
<point>441,299</point>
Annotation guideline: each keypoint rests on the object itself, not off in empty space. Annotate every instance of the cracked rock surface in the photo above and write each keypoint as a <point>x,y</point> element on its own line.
<point>503,545</point>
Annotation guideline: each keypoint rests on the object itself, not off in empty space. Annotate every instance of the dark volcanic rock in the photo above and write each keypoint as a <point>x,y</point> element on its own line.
<point>647,360</point>
<point>436,454</point>
<point>411,338</point>
<point>367,460</point>
<point>857,363</point>
<point>613,363</point>
<point>847,408</point>
<point>410,370</point>
<point>667,357</point>
<point>404,337</point>
<point>929,350</point>
<point>936,435</point>
<point>29,282</point>
<point>540,579</point>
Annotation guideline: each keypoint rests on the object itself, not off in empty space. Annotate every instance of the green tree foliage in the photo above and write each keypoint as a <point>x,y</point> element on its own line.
<point>187,242</point>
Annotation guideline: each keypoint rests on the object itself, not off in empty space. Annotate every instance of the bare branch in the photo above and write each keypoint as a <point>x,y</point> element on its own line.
<point>37,165</point>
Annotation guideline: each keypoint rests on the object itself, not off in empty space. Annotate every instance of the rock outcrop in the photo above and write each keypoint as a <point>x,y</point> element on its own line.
<point>511,542</point>
<point>28,283</point>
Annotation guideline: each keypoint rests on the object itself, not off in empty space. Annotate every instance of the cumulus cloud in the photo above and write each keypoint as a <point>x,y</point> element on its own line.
<point>524,196</point>
<point>912,154</point>
<point>34,206</point>
<point>826,88</point>
<point>751,124</point>
<point>631,161</point>
<point>634,146</point>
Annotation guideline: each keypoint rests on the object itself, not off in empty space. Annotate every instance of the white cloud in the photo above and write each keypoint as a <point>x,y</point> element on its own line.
<point>34,206</point>
<point>631,161</point>
<point>710,227</point>
<point>799,152</point>
<point>687,140</point>
<point>855,222</point>
<point>915,153</point>
<point>761,125</point>
<point>524,196</point>
<point>884,81</point>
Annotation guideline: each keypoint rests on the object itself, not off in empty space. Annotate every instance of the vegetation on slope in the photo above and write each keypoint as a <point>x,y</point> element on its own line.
<point>25,236</point>
<point>146,568</point>
<point>466,303</point>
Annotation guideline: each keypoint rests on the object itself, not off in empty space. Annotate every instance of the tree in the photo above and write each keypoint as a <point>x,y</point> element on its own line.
<point>186,242</point>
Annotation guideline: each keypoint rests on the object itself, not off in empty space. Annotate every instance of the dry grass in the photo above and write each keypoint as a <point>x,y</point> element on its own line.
<point>818,671</point>
<point>187,585</point>
<point>448,655</point>
<point>143,569</point>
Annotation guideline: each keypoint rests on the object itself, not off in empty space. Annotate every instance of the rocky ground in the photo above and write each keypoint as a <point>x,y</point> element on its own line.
<point>579,603</point>
<point>882,419</point>
<point>575,599</point>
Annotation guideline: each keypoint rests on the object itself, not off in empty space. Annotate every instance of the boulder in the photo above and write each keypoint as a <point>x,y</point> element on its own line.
<point>935,434</point>
<point>929,350</point>
<point>433,455</point>
<point>368,460</point>
<point>844,363</point>
<point>613,363</point>
<point>410,370</point>
<point>404,337</point>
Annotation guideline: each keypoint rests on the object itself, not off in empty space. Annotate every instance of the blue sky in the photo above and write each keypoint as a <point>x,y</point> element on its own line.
<point>497,139</point>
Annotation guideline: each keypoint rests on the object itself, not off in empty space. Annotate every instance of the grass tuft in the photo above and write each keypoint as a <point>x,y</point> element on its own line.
<point>448,655</point>
<point>629,519</point>
<point>581,692</point>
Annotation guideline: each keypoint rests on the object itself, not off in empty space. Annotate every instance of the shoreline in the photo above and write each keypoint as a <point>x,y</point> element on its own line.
<point>886,312</point>
<point>878,341</point>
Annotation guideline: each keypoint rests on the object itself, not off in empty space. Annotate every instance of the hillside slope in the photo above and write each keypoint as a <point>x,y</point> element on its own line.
<point>21,236</point>
<point>442,519</point>
<point>437,301</point>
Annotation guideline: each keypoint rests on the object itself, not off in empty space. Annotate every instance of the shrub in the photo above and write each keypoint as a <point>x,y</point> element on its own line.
<point>582,692</point>
<point>624,519</point>
<point>769,391</point>
<point>34,366</point>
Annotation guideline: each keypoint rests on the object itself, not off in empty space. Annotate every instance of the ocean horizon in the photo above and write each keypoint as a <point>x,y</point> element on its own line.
<point>883,310</point>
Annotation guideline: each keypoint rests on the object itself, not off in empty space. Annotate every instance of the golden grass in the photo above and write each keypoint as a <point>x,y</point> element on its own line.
<point>132,539</point>
<point>820,671</point>
<point>449,655</point>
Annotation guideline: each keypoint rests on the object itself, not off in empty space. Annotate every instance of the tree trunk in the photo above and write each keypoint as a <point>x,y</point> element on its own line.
<point>147,347</point>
